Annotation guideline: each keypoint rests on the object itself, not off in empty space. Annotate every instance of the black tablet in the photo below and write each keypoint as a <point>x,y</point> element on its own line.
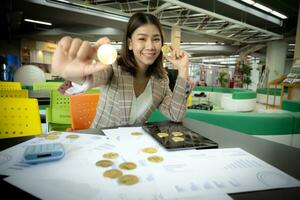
<point>174,136</point>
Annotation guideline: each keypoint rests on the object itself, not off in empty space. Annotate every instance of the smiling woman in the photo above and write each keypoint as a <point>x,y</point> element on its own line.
<point>136,84</point>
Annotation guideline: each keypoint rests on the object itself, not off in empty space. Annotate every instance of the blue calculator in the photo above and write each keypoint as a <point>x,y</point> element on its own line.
<point>43,153</point>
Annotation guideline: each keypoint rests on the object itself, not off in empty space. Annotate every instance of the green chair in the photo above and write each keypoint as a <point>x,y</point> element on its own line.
<point>46,85</point>
<point>58,113</point>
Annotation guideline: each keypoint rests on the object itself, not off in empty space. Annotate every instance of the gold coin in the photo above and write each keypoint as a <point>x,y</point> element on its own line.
<point>72,136</point>
<point>110,155</point>
<point>107,54</point>
<point>127,165</point>
<point>178,139</point>
<point>128,179</point>
<point>150,150</point>
<point>55,132</point>
<point>113,173</point>
<point>161,135</point>
<point>166,49</point>
<point>155,159</point>
<point>177,134</point>
<point>40,136</point>
<point>52,137</point>
<point>136,133</point>
<point>104,163</point>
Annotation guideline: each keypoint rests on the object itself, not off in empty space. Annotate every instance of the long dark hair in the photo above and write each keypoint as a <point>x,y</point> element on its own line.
<point>127,60</point>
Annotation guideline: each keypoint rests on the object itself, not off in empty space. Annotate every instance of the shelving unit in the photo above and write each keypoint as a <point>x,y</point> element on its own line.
<point>293,91</point>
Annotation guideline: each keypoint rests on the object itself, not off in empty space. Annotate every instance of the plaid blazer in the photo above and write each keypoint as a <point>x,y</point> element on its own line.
<point>117,91</point>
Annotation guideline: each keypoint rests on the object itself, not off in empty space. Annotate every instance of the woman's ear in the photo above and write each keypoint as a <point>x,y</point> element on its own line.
<point>129,44</point>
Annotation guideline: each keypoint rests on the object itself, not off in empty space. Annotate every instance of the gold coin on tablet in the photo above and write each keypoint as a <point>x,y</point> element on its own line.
<point>177,133</point>
<point>104,163</point>
<point>150,150</point>
<point>128,179</point>
<point>155,159</point>
<point>178,139</point>
<point>113,173</point>
<point>162,134</point>
<point>127,165</point>
<point>110,155</point>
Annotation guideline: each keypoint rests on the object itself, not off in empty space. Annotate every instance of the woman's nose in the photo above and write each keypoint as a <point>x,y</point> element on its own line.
<point>149,44</point>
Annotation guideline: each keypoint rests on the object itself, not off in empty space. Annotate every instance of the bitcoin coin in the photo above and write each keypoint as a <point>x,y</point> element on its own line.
<point>55,132</point>
<point>161,135</point>
<point>128,179</point>
<point>150,150</point>
<point>127,165</point>
<point>110,155</point>
<point>155,159</point>
<point>104,163</point>
<point>136,133</point>
<point>107,54</point>
<point>52,137</point>
<point>166,50</point>
<point>73,136</point>
<point>113,173</point>
<point>177,134</point>
<point>41,136</point>
<point>178,139</point>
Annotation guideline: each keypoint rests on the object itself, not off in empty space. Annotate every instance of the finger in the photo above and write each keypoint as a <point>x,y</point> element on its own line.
<point>75,45</point>
<point>94,67</point>
<point>101,41</point>
<point>58,55</point>
<point>169,57</point>
<point>84,51</point>
<point>178,54</point>
<point>65,43</point>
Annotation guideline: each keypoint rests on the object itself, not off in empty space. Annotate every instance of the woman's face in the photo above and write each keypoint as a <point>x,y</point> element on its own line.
<point>145,43</point>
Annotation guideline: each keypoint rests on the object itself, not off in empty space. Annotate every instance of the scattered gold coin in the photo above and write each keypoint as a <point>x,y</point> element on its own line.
<point>127,165</point>
<point>40,136</point>
<point>161,135</point>
<point>52,137</point>
<point>177,134</point>
<point>72,136</point>
<point>128,179</point>
<point>110,155</point>
<point>155,159</point>
<point>55,132</point>
<point>113,173</point>
<point>178,139</point>
<point>104,163</point>
<point>136,133</point>
<point>166,49</point>
<point>150,150</point>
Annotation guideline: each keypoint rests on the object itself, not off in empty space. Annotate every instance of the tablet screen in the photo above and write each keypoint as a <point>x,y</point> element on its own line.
<point>174,136</point>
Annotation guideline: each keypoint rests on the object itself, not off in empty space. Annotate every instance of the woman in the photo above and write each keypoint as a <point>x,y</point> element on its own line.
<point>137,83</point>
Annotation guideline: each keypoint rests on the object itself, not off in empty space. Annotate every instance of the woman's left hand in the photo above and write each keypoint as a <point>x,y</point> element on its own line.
<point>180,61</point>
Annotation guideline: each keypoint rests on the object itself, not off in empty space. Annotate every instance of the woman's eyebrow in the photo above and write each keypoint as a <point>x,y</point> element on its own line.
<point>145,34</point>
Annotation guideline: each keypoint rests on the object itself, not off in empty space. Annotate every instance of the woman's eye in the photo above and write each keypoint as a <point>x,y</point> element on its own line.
<point>156,39</point>
<point>141,39</point>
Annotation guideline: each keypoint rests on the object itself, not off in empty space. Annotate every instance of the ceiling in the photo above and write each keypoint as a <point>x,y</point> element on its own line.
<point>213,21</point>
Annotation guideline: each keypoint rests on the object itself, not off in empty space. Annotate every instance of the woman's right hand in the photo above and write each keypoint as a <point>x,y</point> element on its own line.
<point>73,58</point>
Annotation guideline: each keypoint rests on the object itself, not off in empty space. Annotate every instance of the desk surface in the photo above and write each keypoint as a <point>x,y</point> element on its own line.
<point>281,156</point>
